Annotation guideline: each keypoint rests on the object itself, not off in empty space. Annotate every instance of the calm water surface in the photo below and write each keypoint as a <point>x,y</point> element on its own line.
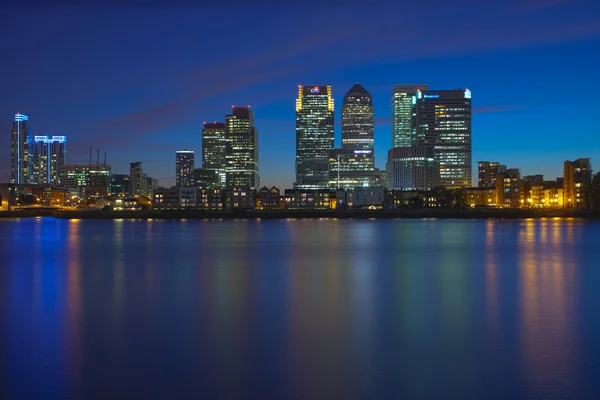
<point>300,309</point>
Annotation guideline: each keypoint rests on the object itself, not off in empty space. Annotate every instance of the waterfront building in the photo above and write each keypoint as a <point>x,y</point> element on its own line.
<point>184,168</point>
<point>317,199</point>
<point>349,168</point>
<point>86,180</point>
<point>412,168</point>
<point>20,162</point>
<point>510,189</point>
<point>120,186</point>
<point>314,136</point>
<point>577,183</point>
<point>484,196</point>
<point>403,128</point>
<point>269,199</point>
<point>166,198</point>
<point>214,150</point>
<point>442,119</point>
<point>242,154</point>
<point>487,173</point>
<point>361,197</point>
<point>187,197</point>
<point>239,198</point>
<point>210,199</point>
<point>48,154</point>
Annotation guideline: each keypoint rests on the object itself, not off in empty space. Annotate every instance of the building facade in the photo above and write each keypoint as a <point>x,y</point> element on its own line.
<point>136,175</point>
<point>20,168</point>
<point>349,168</point>
<point>48,154</point>
<point>358,120</point>
<point>412,168</point>
<point>403,129</point>
<point>577,183</point>
<point>242,154</point>
<point>443,120</point>
<point>86,180</point>
<point>184,168</point>
<point>487,173</point>
<point>214,150</point>
<point>314,136</point>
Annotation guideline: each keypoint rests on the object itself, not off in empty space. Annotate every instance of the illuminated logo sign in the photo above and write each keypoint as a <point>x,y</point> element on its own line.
<point>432,96</point>
<point>314,90</point>
<point>362,151</point>
<point>467,94</point>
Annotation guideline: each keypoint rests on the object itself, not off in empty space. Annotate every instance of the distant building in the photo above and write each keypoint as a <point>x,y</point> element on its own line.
<point>136,175</point>
<point>358,121</point>
<point>269,199</point>
<point>487,173</point>
<point>20,163</point>
<point>510,189</point>
<point>239,198</point>
<point>298,199</point>
<point>184,168</point>
<point>361,197</point>
<point>86,180</point>
<point>48,154</point>
<point>350,168</point>
<point>412,168</point>
<point>484,196</point>
<point>207,178</point>
<point>533,180</point>
<point>314,136</point>
<point>242,155</point>
<point>120,186</point>
<point>214,150</point>
<point>577,183</point>
<point>379,178</point>
<point>443,120</point>
<point>403,128</point>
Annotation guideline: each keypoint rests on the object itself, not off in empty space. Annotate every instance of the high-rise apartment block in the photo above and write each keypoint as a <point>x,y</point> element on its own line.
<point>136,175</point>
<point>443,119</point>
<point>214,150</point>
<point>20,168</point>
<point>242,149</point>
<point>184,168</point>
<point>403,128</point>
<point>48,154</point>
<point>577,183</point>
<point>487,173</point>
<point>314,136</point>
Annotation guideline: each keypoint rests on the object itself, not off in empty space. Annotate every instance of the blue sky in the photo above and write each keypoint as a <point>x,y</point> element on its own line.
<point>138,81</point>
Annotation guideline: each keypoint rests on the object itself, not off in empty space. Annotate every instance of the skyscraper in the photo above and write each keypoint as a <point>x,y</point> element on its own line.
<point>358,120</point>
<point>242,154</point>
<point>48,154</point>
<point>314,136</point>
<point>214,150</point>
<point>403,129</point>
<point>20,168</point>
<point>443,119</point>
<point>184,168</point>
<point>136,175</point>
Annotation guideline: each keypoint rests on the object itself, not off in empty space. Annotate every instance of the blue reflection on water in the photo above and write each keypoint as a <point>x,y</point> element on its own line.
<point>299,309</point>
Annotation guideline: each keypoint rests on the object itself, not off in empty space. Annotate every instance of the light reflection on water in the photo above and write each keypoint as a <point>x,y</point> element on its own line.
<point>300,309</point>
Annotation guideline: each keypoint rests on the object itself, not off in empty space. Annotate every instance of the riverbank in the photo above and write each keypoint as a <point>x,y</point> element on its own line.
<point>342,214</point>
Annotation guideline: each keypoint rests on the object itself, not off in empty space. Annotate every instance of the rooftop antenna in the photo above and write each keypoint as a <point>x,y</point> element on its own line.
<point>98,157</point>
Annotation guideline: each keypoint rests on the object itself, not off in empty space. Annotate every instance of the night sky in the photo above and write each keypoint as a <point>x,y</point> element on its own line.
<point>139,81</point>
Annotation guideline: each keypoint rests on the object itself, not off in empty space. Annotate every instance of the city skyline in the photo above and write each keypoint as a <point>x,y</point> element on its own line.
<point>146,107</point>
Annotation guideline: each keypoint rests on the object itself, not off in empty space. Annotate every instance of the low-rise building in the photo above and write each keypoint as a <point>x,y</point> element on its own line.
<point>480,196</point>
<point>301,199</point>
<point>268,199</point>
<point>239,198</point>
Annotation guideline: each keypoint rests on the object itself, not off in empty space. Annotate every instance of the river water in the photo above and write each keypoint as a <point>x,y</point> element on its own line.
<point>300,309</point>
